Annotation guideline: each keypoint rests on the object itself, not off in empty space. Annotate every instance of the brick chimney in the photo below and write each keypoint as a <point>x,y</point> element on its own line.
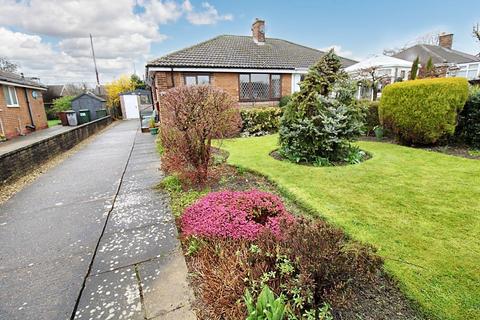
<point>445,40</point>
<point>258,31</point>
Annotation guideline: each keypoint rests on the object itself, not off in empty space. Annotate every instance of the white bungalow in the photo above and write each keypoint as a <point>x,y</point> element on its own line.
<point>380,69</point>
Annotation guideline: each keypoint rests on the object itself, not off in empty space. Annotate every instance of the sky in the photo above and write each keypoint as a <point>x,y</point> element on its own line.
<point>49,39</point>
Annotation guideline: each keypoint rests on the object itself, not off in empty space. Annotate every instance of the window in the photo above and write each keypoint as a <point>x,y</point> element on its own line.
<point>10,96</point>
<point>469,71</point>
<point>260,87</point>
<point>197,79</point>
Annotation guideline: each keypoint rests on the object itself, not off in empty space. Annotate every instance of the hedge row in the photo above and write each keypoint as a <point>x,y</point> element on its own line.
<point>423,111</point>
<point>260,121</point>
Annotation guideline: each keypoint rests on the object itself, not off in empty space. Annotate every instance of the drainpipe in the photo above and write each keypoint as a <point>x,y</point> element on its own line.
<point>29,110</point>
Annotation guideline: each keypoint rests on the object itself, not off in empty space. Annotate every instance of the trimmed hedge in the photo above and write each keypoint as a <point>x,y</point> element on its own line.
<point>371,116</point>
<point>468,129</point>
<point>260,121</point>
<point>423,111</point>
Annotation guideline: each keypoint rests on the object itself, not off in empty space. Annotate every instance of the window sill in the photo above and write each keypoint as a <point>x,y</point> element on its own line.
<point>13,106</point>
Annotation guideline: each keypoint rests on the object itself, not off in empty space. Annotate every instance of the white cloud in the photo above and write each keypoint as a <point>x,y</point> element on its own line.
<point>209,15</point>
<point>340,51</point>
<point>123,32</point>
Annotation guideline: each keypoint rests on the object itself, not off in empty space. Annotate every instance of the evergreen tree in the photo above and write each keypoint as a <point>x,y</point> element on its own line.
<point>414,70</point>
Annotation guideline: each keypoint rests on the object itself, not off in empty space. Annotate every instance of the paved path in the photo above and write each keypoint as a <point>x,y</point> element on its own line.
<point>91,239</point>
<point>22,141</point>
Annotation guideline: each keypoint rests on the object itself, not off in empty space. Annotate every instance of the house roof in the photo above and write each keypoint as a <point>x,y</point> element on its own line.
<point>229,51</point>
<point>438,54</point>
<point>53,92</point>
<point>19,80</point>
<point>91,95</point>
<point>380,61</point>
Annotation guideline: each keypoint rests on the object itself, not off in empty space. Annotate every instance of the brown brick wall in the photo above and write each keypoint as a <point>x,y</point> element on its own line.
<point>226,81</point>
<point>17,163</point>
<point>14,119</point>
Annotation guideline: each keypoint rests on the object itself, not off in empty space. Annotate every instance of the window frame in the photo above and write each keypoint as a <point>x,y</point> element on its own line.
<point>270,89</point>
<point>8,91</point>
<point>196,75</point>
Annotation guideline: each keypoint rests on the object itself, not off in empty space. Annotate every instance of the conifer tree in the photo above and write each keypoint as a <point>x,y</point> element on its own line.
<point>414,70</point>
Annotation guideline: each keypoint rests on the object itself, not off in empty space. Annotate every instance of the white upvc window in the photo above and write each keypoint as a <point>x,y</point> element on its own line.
<point>469,71</point>
<point>10,96</point>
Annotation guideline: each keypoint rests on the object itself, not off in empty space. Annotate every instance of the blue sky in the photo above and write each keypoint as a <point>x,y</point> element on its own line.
<point>361,27</point>
<point>49,38</point>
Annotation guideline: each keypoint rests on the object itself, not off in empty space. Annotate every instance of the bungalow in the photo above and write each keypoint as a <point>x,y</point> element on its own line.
<point>454,63</point>
<point>21,105</point>
<point>255,70</point>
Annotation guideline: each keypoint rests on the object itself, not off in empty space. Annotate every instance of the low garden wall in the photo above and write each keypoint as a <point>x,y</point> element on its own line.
<point>19,162</point>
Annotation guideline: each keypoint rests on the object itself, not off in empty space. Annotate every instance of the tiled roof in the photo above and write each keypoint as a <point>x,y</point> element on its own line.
<point>19,79</point>
<point>439,54</point>
<point>91,95</point>
<point>227,51</point>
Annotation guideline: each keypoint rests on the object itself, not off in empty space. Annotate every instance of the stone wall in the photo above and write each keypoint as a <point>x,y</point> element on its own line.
<point>19,162</point>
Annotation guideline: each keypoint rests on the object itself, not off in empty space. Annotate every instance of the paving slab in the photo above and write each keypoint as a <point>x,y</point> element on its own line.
<point>112,295</point>
<point>166,292</point>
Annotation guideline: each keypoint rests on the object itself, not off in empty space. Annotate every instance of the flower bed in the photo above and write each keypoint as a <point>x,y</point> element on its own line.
<point>235,214</point>
<point>313,269</point>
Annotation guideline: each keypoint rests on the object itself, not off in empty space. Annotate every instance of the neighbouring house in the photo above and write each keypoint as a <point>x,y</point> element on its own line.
<point>454,63</point>
<point>90,101</point>
<point>135,103</point>
<point>255,70</point>
<point>378,71</point>
<point>21,105</point>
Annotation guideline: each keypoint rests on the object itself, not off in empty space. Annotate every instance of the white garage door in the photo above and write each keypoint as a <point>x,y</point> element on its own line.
<point>131,107</point>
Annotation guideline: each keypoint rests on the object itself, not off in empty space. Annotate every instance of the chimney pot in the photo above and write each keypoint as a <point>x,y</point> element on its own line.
<point>258,31</point>
<point>445,40</point>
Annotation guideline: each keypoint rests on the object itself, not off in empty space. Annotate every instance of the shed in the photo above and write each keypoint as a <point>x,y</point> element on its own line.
<point>90,101</point>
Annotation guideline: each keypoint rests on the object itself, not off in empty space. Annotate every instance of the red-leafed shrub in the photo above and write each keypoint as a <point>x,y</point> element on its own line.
<point>235,214</point>
<point>191,116</point>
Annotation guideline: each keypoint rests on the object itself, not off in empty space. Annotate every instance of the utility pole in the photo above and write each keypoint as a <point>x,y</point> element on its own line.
<point>94,60</point>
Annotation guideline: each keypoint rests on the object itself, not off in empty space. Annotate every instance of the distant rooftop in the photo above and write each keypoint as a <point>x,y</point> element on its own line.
<point>438,54</point>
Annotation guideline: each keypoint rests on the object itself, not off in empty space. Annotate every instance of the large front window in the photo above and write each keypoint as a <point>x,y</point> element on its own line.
<point>260,86</point>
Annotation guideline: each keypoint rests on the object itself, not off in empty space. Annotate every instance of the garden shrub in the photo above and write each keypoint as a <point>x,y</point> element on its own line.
<point>260,121</point>
<point>423,111</point>
<point>191,116</point>
<point>235,214</point>
<point>321,119</point>
<point>371,116</point>
<point>62,104</point>
<point>313,266</point>
<point>284,101</point>
<point>468,128</point>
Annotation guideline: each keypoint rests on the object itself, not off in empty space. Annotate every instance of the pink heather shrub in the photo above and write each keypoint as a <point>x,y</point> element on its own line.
<point>235,214</point>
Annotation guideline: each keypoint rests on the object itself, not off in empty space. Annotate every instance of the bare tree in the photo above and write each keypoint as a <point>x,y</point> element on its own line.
<point>374,78</point>
<point>74,89</point>
<point>7,65</point>
<point>427,38</point>
<point>476,32</point>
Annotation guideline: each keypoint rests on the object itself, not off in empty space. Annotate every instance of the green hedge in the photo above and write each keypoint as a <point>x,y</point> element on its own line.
<point>468,128</point>
<point>423,111</point>
<point>371,116</point>
<point>260,121</point>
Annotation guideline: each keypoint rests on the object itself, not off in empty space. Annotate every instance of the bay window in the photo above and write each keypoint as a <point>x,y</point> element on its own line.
<point>259,87</point>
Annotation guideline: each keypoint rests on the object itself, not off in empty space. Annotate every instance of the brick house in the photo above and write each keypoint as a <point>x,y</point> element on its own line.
<point>255,70</point>
<point>21,105</point>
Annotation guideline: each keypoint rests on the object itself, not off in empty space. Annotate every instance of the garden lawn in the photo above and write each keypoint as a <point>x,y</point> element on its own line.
<point>420,209</point>
<point>52,123</point>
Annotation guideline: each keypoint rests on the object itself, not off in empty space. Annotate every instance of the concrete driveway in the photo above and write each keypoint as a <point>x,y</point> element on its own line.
<point>92,239</point>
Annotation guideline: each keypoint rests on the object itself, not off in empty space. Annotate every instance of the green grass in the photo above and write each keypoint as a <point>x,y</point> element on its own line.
<point>52,123</point>
<point>420,209</point>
